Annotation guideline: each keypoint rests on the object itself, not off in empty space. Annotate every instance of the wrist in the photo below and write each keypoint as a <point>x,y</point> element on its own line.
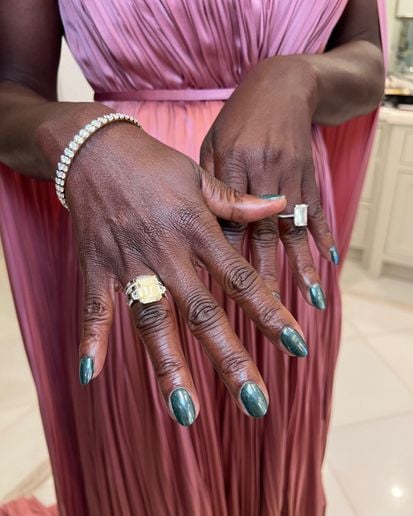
<point>61,121</point>
<point>295,76</point>
<point>105,160</point>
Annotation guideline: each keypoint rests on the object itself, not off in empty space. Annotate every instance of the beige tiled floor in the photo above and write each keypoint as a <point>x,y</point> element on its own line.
<point>369,464</point>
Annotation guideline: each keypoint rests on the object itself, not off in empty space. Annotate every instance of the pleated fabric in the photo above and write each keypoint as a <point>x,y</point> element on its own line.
<point>113,447</point>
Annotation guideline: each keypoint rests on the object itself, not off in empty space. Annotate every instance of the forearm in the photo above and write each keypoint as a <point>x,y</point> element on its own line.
<point>349,81</point>
<point>34,131</point>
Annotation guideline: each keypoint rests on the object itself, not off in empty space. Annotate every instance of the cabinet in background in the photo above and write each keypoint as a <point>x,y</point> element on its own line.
<point>383,232</point>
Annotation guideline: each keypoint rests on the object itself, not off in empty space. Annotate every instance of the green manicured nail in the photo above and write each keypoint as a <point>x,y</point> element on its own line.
<point>271,197</point>
<point>86,369</point>
<point>183,407</point>
<point>317,296</point>
<point>335,257</point>
<point>254,400</point>
<point>293,341</point>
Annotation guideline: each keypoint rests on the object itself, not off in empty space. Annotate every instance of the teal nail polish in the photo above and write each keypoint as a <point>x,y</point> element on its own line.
<point>86,369</point>
<point>271,197</point>
<point>335,257</point>
<point>254,400</point>
<point>183,407</point>
<point>317,296</point>
<point>293,341</point>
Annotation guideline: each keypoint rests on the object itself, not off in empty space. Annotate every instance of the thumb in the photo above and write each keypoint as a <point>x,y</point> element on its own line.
<point>97,322</point>
<point>229,204</point>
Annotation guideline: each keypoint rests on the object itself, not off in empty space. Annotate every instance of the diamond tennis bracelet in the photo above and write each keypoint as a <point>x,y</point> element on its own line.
<point>75,144</point>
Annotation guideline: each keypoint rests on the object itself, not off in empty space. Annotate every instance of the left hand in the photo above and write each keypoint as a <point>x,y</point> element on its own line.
<point>260,143</point>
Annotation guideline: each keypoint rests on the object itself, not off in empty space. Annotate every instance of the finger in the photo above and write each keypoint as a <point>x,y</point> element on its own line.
<point>157,329</point>
<point>264,234</point>
<point>209,324</point>
<point>264,250</point>
<point>229,204</point>
<point>243,283</point>
<point>317,222</point>
<point>295,242</point>
<point>230,169</point>
<point>236,209</point>
<point>97,322</point>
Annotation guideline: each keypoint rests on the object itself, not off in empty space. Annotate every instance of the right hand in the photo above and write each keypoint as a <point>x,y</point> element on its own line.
<point>140,207</point>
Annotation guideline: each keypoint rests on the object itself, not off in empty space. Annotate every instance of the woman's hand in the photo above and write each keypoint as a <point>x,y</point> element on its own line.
<point>261,143</point>
<point>139,207</point>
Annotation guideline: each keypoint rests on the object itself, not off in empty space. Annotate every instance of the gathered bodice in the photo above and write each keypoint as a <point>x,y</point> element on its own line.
<point>178,44</point>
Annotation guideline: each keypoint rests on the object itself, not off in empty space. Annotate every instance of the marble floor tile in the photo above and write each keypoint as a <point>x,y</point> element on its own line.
<point>45,493</point>
<point>348,330</point>
<point>10,416</point>
<point>366,387</point>
<point>337,503</point>
<point>373,464</point>
<point>16,384</point>
<point>355,280</point>
<point>22,448</point>
<point>375,316</point>
<point>396,349</point>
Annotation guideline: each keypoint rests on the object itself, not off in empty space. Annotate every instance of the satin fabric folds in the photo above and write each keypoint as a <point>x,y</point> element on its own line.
<point>113,447</point>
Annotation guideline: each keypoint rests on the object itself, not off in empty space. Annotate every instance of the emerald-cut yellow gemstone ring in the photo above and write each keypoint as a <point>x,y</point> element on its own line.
<point>145,289</point>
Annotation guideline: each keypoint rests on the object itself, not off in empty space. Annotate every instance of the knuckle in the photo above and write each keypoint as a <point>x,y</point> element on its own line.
<point>235,229</point>
<point>264,232</point>
<point>308,163</point>
<point>239,277</point>
<point>97,309</point>
<point>270,316</point>
<point>307,268</point>
<point>152,317</point>
<point>167,367</point>
<point>235,158</point>
<point>315,211</point>
<point>118,218</point>
<point>292,160</point>
<point>294,235</point>
<point>233,363</point>
<point>262,161</point>
<point>272,155</point>
<point>202,313</point>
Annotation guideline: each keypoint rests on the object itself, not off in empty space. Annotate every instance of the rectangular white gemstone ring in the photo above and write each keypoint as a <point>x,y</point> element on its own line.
<point>300,215</point>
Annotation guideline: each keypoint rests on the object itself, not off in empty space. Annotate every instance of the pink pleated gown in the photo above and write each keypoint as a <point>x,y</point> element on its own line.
<point>114,449</point>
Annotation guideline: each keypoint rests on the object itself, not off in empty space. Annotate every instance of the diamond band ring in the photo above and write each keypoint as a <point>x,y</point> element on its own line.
<point>299,215</point>
<point>145,289</point>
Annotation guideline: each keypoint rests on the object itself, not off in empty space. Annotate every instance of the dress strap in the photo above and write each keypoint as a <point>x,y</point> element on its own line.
<point>165,95</point>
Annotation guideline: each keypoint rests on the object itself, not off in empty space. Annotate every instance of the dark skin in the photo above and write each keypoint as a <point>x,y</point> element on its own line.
<point>34,129</point>
<point>259,147</point>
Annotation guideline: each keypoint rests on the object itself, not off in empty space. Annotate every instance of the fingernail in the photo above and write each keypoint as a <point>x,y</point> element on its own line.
<point>86,369</point>
<point>317,296</point>
<point>335,257</point>
<point>183,407</point>
<point>293,341</point>
<point>254,400</point>
<point>271,197</point>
